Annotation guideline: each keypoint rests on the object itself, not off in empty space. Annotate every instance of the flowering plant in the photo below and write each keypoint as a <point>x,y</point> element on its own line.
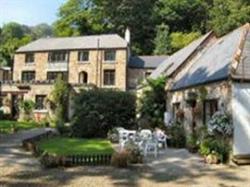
<point>220,125</point>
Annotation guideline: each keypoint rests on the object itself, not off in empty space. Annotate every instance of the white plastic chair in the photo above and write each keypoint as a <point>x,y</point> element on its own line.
<point>151,146</point>
<point>146,134</point>
<point>123,138</point>
<point>149,143</point>
<point>161,138</point>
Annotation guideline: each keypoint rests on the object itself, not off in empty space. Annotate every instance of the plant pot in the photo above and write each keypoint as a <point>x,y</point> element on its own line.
<point>212,159</point>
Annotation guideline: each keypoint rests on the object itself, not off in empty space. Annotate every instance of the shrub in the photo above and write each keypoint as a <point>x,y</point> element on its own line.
<point>214,146</point>
<point>178,136</point>
<point>58,102</point>
<point>220,125</point>
<point>96,111</point>
<point>113,135</point>
<point>120,159</point>
<point>135,156</point>
<point>26,107</point>
<point>49,161</point>
<point>192,143</point>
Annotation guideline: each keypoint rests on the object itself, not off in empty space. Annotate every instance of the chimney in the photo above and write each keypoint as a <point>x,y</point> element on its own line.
<point>127,35</point>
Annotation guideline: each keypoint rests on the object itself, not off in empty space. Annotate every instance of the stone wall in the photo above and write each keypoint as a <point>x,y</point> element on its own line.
<point>94,67</point>
<point>220,91</point>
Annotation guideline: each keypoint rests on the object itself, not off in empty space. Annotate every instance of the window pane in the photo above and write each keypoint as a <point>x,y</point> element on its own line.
<point>110,55</point>
<point>29,57</point>
<point>53,75</point>
<point>28,75</point>
<point>210,107</point>
<point>109,77</point>
<point>40,102</point>
<point>60,56</point>
<point>83,56</point>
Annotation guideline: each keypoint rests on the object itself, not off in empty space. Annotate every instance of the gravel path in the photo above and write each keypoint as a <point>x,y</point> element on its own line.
<point>172,168</point>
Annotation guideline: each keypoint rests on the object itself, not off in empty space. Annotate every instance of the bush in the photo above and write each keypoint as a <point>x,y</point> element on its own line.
<point>214,146</point>
<point>192,143</point>
<point>220,125</point>
<point>135,155</point>
<point>177,135</point>
<point>26,107</point>
<point>96,111</point>
<point>113,135</point>
<point>120,159</point>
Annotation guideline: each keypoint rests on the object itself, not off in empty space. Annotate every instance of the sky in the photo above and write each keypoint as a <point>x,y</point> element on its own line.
<point>29,12</point>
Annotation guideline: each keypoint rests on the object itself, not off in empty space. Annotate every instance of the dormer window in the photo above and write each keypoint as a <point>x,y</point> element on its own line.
<point>110,55</point>
<point>58,56</point>
<point>29,58</point>
<point>83,56</point>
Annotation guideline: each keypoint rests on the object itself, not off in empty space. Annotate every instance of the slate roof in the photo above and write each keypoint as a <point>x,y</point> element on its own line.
<point>177,59</point>
<point>146,61</point>
<point>212,63</point>
<point>81,42</point>
<point>243,68</point>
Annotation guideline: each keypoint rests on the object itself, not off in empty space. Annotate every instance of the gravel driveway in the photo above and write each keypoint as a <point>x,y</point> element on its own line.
<point>172,168</point>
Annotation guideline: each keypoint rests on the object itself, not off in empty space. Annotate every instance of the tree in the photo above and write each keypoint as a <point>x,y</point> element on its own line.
<point>162,40</point>
<point>180,40</point>
<point>183,15</point>
<point>83,17</point>
<point>228,15</point>
<point>78,17</point>
<point>41,30</point>
<point>58,101</point>
<point>151,104</point>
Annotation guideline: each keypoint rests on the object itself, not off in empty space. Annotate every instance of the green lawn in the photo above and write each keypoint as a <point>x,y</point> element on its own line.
<point>6,126</point>
<point>74,146</point>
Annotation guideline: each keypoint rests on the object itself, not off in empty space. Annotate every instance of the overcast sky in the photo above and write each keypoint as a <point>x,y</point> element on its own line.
<point>29,12</point>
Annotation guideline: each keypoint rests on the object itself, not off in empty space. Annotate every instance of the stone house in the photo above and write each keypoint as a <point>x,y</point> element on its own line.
<point>100,60</point>
<point>208,75</point>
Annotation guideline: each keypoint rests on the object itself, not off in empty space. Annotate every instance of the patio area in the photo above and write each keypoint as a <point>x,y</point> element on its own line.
<point>172,167</point>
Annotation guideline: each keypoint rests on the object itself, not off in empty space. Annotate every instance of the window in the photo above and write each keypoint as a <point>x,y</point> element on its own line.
<point>28,75</point>
<point>110,55</point>
<point>29,58</point>
<point>59,56</point>
<point>6,75</point>
<point>83,56</point>
<point>51,76</point>
<point>147,74</point>
<point>176,107</point>
<point>83,78</point>
<point>40,102</point>
<point>210,107</point>
<point>109,77</point>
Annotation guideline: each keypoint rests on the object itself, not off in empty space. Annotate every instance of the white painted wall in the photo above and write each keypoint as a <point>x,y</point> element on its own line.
<point>241,118</point>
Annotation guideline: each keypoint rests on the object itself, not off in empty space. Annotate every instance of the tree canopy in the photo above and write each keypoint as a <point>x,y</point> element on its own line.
<point>13,35</point>
<point>157,26</point>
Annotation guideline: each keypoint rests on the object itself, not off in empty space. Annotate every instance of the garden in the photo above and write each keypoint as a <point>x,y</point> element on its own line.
<point>114,127</point>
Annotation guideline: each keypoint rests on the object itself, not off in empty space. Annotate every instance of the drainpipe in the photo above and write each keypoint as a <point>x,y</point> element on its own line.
<point>97,61</point>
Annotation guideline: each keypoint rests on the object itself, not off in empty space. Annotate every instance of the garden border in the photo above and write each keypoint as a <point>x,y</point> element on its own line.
<point>50,160</point>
